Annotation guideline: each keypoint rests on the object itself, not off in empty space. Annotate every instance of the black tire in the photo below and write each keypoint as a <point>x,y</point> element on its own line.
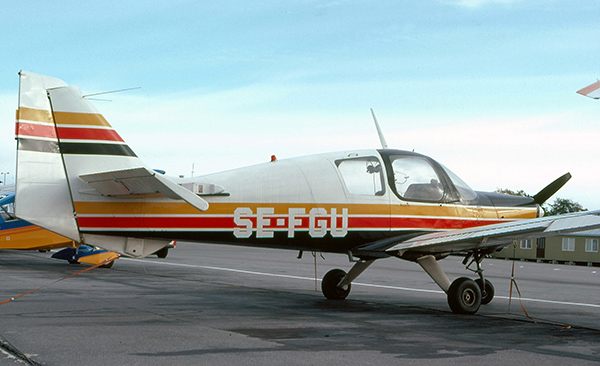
<point>488,295</point>
<point>329,285</point>
<point>108,265</point>
<point>464,296</point>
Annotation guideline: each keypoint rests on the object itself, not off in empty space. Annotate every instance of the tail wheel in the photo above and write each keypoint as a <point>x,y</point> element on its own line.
<point>488,294</point>
<point>162,253</point>
<point>108,265</point>
<point>464,296</point>
<point>330,282</point>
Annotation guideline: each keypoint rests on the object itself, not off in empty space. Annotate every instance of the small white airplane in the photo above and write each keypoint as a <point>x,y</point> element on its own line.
<point>77,177</point>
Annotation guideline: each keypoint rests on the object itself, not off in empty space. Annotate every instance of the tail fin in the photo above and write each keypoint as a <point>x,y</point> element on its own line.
<point>68,154</point>
<point>42,192</point>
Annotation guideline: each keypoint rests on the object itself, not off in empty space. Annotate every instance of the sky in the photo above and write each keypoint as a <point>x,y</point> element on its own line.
<point>485,87</point>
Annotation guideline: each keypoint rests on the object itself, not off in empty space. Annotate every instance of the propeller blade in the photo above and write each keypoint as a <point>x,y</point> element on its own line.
<point>543,195</point>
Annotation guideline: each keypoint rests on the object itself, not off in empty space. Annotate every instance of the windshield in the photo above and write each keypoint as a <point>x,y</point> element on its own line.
<point>415,179</point>
<point>465,192</point>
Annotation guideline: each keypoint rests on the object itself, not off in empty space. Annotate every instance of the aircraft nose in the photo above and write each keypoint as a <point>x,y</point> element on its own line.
<point>540,211</point>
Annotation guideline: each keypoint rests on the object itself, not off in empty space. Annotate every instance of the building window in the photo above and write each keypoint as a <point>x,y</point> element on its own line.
<point>591,245</point>
<point>526,244</point>
<point>568,244</point>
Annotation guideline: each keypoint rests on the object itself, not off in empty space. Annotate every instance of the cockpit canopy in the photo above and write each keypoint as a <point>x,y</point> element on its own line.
<point>415,177</point>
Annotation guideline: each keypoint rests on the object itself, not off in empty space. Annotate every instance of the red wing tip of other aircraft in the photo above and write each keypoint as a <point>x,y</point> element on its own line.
<point>591,91</point>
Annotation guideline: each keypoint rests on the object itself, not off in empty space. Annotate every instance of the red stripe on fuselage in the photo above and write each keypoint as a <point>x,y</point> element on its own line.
<point>276,222</point>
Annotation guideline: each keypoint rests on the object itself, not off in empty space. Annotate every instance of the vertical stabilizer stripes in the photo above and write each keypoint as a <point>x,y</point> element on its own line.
<point>75,132</point>
<point>81,129</point>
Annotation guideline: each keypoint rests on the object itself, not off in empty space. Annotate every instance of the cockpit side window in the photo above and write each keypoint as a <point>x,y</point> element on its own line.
<point>362,176</point>
<point>7,212</point>
<point>415,179</point>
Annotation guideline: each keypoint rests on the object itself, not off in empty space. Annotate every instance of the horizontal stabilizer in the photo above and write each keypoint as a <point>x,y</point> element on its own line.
<point>140,181</point>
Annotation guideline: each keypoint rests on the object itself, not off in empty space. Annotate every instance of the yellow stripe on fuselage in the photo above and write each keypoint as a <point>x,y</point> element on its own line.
<point>181,208</point>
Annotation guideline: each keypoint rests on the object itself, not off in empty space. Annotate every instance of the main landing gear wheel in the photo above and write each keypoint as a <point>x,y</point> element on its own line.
<point>464,296</point>
<point>488,294</point>
<point>330,282</point>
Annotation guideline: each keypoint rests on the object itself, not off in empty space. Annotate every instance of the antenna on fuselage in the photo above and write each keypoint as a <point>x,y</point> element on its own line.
<point>381,138</point>
<point>108,92</point>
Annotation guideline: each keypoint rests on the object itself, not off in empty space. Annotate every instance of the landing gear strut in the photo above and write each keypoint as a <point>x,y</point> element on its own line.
<point>486,287</point>
<point>465,296</point>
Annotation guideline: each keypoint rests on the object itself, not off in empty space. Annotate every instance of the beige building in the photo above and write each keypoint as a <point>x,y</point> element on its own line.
<point>576,248</point>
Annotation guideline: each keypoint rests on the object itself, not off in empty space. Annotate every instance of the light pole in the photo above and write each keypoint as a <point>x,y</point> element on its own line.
<point>4,177</point>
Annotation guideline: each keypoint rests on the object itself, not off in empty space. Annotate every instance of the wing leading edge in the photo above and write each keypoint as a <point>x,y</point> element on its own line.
<point>494,235</point>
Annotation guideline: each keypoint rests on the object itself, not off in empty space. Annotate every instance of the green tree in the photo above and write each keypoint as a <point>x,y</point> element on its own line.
<point>563,206</point>
<point>511,192</point>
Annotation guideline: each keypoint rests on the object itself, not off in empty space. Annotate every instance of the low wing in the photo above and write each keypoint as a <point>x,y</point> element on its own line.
<point>493,235</point>
<point>140,181</point>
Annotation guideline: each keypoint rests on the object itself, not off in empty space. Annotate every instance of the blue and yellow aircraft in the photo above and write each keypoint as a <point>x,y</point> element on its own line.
<point>20,234</point>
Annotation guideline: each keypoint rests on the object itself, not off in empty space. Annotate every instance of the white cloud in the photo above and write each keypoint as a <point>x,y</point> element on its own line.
<point>235,128</point>
<point>520,149</point>
<point>523,153</point>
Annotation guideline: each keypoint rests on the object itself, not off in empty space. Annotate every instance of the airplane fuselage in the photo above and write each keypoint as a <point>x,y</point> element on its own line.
<point>328,202</point>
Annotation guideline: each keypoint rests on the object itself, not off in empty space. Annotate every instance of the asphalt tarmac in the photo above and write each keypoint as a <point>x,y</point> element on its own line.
<point>224,305</point>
